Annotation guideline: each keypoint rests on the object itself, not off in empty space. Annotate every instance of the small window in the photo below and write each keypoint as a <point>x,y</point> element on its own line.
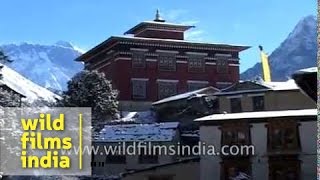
<point>138,59</point>
<point>195,86</point>
<point>116,159</point>
<point>167,62</point>
<point>223,85</point>
<point>283,135</point>
<point>222,66</point>
<point>161,177</point>
<point>235,134</point>
<point>235,104</point>
<point>236,168</point>
<point>148,157</point>
<point>258,103</point>
<point>284,167</point>
<point>139,89</point>
<point>196,64</point>
<point>166,89</point>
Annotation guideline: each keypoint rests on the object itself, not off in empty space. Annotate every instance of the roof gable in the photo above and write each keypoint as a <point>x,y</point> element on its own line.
<point>244,86</point>
<point>199,92</point>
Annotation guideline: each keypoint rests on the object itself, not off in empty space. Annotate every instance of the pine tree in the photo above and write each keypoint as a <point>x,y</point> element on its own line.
<point>7,99</point>
<point>4,59</point>
<point>92,89</point>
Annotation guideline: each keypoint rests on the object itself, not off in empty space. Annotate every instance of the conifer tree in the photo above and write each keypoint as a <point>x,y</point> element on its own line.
<point>92,89</point>
<point>7,99</point>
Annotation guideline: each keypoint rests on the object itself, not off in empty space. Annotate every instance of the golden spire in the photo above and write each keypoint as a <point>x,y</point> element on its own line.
<point>158,17</point>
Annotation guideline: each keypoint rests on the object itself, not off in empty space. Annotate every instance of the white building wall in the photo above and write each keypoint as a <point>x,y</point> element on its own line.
<point>210,165</point>
<point>308,157</point>
<point>259,161</point>
<point>132,161</point>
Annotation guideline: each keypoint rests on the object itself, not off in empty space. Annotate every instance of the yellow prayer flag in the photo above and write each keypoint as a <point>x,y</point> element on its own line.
<point>265,65</point>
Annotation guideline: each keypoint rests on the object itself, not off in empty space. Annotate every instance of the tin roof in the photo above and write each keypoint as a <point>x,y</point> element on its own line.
<point>138,132</point>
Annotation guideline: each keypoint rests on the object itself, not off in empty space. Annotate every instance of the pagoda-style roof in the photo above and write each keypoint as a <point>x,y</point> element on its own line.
<point>159,26</point>
<point>159,33</point>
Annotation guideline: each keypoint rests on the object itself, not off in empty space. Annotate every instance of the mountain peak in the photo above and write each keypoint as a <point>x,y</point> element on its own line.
<point>64,44</point>
<point>310,18</point>
<point>297,51</point>
<point>309,21</point>
<point>306,24</point>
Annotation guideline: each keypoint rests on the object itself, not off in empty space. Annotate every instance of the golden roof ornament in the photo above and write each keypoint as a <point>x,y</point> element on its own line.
<point>158,17</point>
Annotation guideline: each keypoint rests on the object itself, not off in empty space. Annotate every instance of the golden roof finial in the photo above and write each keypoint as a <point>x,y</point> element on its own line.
<point>158,17</point>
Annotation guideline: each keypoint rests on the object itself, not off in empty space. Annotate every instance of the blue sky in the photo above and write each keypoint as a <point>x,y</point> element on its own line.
<point>85,23</point>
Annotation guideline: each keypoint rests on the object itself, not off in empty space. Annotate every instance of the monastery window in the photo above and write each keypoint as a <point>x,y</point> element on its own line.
<point>284,167</point>
<point>222,63</point>
<point>138,59</point>
<point>139,88</point>
<point>147,156</point>
<point>283,135</point>
<point>167,62</point>
<point>161,177</point>
<point>235,104</point>
<point>116,159</point>
<point>235,134</point>
<point>223,85</point>
<point>196,64</point>
<point>194,85</point>
<point>222,66</point>
<point>166,89</point>
<point>235,168</point>
<point>258,103</point>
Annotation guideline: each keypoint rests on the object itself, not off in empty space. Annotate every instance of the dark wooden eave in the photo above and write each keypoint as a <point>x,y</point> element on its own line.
<point>306,79</point>
<point>158,43</point>
<point>157,25</point>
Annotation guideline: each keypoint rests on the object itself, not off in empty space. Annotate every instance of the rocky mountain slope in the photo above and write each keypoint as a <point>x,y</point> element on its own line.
<point>50,66</point>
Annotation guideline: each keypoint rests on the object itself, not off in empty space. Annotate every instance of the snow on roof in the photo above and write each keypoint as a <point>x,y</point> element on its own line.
<point>307,70</point>
<point>190,133</point>
<point>260,114</point>
<point>137,117</point>
<point>186,95</point>
<point>2,83</point>
<point>278,86</point>
<point>26,87</point>
<point>138,132</point>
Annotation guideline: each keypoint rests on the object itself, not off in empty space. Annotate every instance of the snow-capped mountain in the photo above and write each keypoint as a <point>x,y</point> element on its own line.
<point>50,66</point>
<point>32,91</point>
<point>297,51</point>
